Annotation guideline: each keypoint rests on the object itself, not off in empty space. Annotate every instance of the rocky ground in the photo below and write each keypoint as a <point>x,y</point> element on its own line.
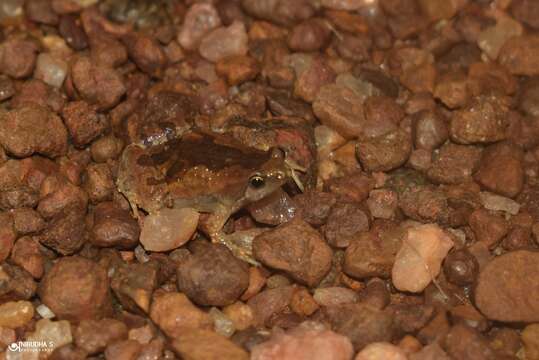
<point>417,237</point>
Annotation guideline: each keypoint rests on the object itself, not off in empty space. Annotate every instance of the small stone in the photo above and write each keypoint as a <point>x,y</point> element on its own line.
<point>200,19</point>
<point>114,226</point>
<point>33,129</point>
<point>224,42</point>
<point>18,58</point>
<point>237,69</point>
<point>420,258</point>
<point>310,35</point>
<point>348,5</point>
<point>83,122</point>
<point>340,109</point>
<point>212,275</point>
<point>384,152</point>
<point>93,336</point>
<point>126,349</point>
<point>312,73</point>
<point>501,169</point>
<point>168,229</point>
<point>463,342</point>
<point>530,340</point>
<point>50,70</point>
<point>381,350</point>
<point>314,206</point>
<point>520,55</point>
<point>200,344</point>
<point>27,254</point>
<point>484,120</point>
<point>241,315</point>
<point>222,324</point>
<point>453,163</point>
<point>76,288</point>
<point>307,341</point>
<point>14,314</point>
<point>488,228</point>
<point>382,203</point>
<point>508,287</point>
<point>303,302</point>
<point>176,315</point>
<point>270,302</point>
<point>429,130</point>
<point>372,254</point>
<point>345,220</point>
<point>499,203</point>
<point>53,333</point>
<point>334,296</point>
<point>307,257</point>
<point>492,39</point>
<point>360,322</point>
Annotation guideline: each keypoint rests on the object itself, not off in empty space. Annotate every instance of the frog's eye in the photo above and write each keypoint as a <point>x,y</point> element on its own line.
<point>257,181</point>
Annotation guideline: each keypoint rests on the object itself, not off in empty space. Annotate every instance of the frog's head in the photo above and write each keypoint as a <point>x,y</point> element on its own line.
<point>271,176</point>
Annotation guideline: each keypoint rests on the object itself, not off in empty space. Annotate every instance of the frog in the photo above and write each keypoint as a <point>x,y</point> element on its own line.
<point>213,173</point>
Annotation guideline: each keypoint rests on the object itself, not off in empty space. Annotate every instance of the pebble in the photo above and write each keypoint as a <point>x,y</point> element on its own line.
<point>345,220</point>
<point>307,257</point>
<point>200,19</point>
<point>372,254</point>
<point>382,203</point>
<point>224,42</point>
<point>530,340</point>
<point>222,324</point>
<point>384,152</point>
<point>176,315</point>
<point>521,55</point>
<point>240,314</point>
<point>51,70</point>
<point>200,344</point>
<point>335,295</point>
<point>360,322</point>
<point>420,258</point>
<point>33,129</point>
<point>168,229</point>
<point>270,302</point>
<point>489,228</point>
<point>93,336</point>
<point>501,169</point>
<point>237,69</point>
<point>348,5</point>
<point>492,39</point>
<point>310,340</point>
<point>526,11</point>
<point>303,303</point>
<point>76,288</point>
<point>18,58</point>
<point>465,343</point>
<point>212,275</point>
<point>97,84</point>
<point>53,333</point>
<point>310,35</point>
<point>498,203</point>
<point>312,73</point>
<point>339,108</point>
<point>381,350</point>
<point>14,314</point>
<point>429,130</point>
<point>507,288</point>
<point>27,254</point>
<point>453,163</point>
<point>483,120</point>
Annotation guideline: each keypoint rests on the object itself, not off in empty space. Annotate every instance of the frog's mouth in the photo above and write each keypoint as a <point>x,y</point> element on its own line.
<point>292,168</point>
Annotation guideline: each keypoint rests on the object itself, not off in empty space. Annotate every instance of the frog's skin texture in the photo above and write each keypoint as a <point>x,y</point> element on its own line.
<point>210,173</point>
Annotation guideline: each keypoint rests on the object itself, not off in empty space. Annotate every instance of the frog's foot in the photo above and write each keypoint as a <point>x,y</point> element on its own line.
<point>240,243</point>
<point>294,167</point>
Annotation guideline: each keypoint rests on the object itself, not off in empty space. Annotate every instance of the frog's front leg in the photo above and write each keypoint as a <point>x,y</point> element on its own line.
<point>240,242</point>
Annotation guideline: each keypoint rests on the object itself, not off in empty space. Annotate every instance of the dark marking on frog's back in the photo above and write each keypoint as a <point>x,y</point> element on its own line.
<point>198,149</point>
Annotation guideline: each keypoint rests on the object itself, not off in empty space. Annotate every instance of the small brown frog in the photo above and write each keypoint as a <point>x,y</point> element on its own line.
<point>211,173</point>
